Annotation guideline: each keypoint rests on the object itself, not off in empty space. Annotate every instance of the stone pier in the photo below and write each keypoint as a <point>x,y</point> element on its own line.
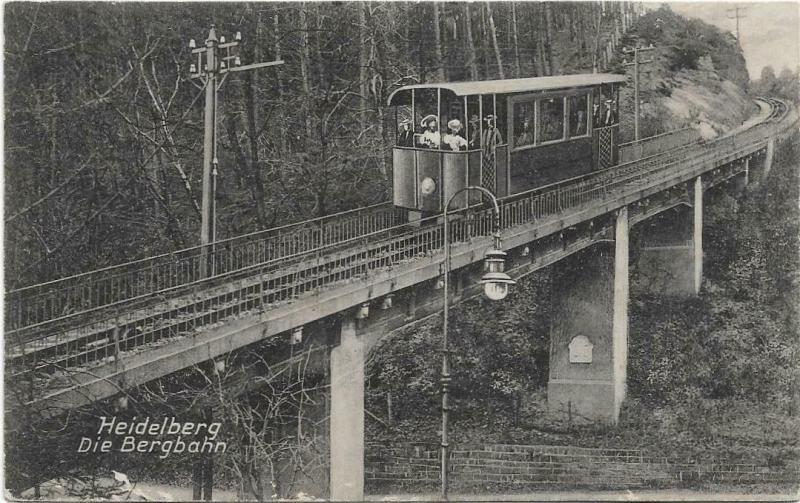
<point>589,331</point>
<point>347,415</point>
<point>671,257</point>
<point>769,156</point>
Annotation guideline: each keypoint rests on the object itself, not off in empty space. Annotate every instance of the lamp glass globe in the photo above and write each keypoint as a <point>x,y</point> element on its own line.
<point>495,290</point>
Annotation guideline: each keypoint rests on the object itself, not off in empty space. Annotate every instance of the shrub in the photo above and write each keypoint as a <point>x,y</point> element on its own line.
<point>686,53</point>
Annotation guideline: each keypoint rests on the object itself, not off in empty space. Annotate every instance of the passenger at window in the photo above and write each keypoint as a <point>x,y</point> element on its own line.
<point>475,132</point>
<point>431,138</point>
<point>526,137</point>
<point>406,138</point>
<point>453,138</point>
<point>580,127</point>
<point>552,122</point>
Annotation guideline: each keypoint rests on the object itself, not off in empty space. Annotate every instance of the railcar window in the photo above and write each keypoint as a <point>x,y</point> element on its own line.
<point>551,124</point>
<point>523,123</point>
<point>427,128</point>
<point>578,112</point>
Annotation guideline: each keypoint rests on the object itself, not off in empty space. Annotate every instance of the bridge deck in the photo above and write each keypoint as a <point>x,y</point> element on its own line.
<point>288,277</point>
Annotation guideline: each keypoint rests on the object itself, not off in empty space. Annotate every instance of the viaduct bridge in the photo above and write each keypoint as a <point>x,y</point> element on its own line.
<point>90,337</point>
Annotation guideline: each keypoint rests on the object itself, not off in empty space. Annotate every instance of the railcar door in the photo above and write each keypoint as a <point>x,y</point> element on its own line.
<point>605,134</point>
<point>494,144</point>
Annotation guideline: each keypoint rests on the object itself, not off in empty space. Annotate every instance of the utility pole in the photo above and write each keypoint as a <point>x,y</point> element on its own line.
<point>737,13</point>
<point>216,64</point>
<point>636,50</point>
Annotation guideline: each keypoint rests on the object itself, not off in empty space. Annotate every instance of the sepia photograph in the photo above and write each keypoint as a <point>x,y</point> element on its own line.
<point>401,251</point>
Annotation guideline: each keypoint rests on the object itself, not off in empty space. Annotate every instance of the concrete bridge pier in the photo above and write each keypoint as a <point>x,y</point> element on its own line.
<point>347,414</point>
<point>768,157</point>
<point>589,331</point>
<point>743,179</point>
<point>671,257</point>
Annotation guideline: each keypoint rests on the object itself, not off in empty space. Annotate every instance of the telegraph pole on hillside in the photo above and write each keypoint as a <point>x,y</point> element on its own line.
<point>635,65</point>
<point>220,60</point>
<point>737,13</point>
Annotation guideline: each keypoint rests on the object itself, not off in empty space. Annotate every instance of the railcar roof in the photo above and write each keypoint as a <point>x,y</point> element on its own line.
<point>519,85</point>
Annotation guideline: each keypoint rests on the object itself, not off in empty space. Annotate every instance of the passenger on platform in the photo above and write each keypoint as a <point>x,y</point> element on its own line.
<point>406,138</point>
<point>453,138</point>
<point>597,115</point>
<point>491,135</point>
<point>431,138</point>
<point>474,132</point>
<point>610,117</point>
<point>489,140</point>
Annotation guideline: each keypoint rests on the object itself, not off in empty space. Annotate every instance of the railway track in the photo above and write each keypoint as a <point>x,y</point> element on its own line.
<point>141,305</point>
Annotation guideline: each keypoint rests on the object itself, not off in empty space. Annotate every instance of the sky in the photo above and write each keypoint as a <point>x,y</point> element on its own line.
<point>769,31</point>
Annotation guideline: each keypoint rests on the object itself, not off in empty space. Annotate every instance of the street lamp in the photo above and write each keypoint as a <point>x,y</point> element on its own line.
<point>495,285</point>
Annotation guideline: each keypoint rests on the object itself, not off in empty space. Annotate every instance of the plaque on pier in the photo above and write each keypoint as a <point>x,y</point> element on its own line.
<point>580,350</point>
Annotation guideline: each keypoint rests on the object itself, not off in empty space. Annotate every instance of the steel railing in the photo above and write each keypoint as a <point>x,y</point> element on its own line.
<point>79,295</point>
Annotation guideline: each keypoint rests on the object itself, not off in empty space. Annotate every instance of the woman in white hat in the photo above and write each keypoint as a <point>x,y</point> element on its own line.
<point>431,138</point>
<point>452,138</point>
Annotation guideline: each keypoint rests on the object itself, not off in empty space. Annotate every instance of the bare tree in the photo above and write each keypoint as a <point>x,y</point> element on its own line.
<point>472,62</point>
<point>493,33</point>
<point>517,67</point>
<point>440,71</point>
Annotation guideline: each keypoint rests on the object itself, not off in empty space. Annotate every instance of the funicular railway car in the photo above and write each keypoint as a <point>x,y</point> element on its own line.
<point>508,136</point>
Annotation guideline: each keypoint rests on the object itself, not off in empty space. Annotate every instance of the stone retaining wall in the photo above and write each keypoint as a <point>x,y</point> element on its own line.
<point>398,466</point>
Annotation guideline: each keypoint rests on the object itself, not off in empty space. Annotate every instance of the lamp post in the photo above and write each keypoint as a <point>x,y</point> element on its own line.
<point>495,283</point>
<point>220,60</point>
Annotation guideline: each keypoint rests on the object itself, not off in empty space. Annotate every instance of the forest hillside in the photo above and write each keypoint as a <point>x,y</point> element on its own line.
<point>103,142</point>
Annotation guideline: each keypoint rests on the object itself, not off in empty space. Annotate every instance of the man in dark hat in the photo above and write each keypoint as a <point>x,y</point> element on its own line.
<point>491,135</point>
<point>406,137</point>
<point>474,132</point>
<point>490,138</point>
<point>597,114</point>
<point>611,113</point>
